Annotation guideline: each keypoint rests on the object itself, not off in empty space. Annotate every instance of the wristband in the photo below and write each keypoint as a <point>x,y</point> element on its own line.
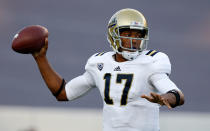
<point>60,89</point>
<point>176,93</point>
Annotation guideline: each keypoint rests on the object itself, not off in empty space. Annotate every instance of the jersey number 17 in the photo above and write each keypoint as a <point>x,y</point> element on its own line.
<point>120,77</point>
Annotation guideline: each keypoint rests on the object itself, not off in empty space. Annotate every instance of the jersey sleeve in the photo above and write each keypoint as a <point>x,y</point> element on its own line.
<point>161,64</point>
<point>78,86</point>
<point>81,84</point>
<point>162,83</point>
<point>90,67</point>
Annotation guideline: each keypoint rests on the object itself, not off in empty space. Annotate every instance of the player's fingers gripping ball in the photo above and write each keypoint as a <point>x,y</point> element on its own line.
<point>30,39</point>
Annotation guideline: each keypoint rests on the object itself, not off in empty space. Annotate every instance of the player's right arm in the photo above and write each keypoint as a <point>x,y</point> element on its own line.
<point>57,85</point>
<point>52,79</point>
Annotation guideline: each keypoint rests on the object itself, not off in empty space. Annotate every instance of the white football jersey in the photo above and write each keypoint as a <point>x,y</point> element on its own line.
<point>122,83</point>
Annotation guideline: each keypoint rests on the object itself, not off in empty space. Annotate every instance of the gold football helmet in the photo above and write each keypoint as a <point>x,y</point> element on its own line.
<point>127,19</point>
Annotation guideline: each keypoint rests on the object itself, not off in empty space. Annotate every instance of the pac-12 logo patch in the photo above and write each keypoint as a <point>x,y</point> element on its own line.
<point>100,66</point>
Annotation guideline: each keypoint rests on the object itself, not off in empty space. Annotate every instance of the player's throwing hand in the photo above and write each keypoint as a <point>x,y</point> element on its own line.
<point>42,51</point>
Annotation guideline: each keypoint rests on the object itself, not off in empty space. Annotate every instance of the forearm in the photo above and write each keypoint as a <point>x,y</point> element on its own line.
<point>52,79</point>
<point>163,84</point>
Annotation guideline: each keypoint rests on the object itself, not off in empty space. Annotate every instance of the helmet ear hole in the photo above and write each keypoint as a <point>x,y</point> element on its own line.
<point>119,49</point>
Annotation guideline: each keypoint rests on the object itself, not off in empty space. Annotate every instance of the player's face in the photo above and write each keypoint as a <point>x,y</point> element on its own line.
<point>131,43</point>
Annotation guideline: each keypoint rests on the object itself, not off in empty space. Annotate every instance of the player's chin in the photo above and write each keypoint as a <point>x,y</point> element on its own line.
<point>129,50</point>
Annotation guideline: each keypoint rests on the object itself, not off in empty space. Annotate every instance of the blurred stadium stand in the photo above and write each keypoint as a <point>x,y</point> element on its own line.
<point>63,119</point>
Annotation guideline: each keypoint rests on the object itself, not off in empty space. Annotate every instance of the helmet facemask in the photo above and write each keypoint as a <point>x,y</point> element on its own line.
<point>143,38</point>
<point>132,52</point>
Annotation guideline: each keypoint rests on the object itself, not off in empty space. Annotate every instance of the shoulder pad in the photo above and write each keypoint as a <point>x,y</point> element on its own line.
<point>161,63</point>
<point>96,58</point>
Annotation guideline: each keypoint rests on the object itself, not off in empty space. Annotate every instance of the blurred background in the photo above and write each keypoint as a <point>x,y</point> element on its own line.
<point>77,29</point>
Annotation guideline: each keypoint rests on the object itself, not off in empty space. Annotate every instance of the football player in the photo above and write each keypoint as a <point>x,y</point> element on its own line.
<point>133,81</point>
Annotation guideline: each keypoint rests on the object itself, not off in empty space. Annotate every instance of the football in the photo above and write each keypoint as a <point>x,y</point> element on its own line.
<point>30,39</point>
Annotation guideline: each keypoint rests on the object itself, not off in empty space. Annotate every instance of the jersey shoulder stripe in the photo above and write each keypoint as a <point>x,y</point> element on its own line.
<point>151,52</point>
<point>98,58</point>
<point>100,53</point>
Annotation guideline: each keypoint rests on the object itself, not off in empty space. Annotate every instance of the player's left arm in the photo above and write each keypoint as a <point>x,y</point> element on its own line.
<point>167,99</point>
<point>170,95</point>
